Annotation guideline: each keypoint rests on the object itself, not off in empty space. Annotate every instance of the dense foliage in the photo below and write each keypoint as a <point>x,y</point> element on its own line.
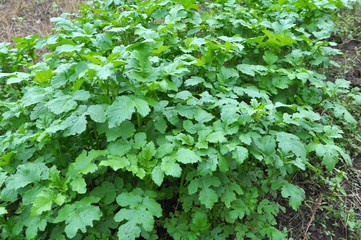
<point>187,118</point>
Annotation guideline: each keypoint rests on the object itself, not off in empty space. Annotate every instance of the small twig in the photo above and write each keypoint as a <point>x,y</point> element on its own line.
<point>350,40</point>
<point>315,207</point>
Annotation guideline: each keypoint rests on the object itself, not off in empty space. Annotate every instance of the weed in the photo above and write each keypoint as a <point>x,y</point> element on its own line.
<point>193,118</point>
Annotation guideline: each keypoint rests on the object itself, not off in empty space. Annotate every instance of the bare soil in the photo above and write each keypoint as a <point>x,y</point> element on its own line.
<point>20,18</point>
<point>351,58</point>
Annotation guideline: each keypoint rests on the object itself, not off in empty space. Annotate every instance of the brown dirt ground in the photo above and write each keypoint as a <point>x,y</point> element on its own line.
<point>20,18</point>
<point>351,58</point>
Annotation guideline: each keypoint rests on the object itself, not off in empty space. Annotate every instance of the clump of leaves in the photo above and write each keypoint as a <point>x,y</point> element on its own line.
<point>13,64</point>
<point>185,116</point>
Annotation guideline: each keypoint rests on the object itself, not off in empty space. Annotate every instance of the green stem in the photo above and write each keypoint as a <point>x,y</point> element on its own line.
<point>5,64</point>
<point>271,177</point>
<point>59,155</point>
<point>184,173</point>
<point>31,52</point>
<point>130,84</point>
<point>292,174</point>
<point>107,87</point>
<point>101,85</point>
<point>77,53</point>
<point>149,184</point>
<point>139,119</point>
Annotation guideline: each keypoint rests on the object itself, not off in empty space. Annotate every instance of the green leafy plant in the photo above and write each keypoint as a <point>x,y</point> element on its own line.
<point>187,119</point>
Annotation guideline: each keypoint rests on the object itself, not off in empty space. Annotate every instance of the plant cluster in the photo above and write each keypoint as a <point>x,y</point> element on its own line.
<point>16,60</point>
<point>186,119</point>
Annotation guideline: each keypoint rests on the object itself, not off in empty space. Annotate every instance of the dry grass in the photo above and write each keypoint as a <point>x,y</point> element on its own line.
<point>20,18</point>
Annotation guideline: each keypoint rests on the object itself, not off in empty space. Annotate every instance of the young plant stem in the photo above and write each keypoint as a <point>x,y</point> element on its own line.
<point>271,177</point>
<point>184,174</point>
<point>32,55</point>
<point>130,84</point>
<point>107,87</point>
<point>292,174</point>
<point>5,64</point>
<point>80,57</point>
<point>57,153</point>
<point>139,121</point>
